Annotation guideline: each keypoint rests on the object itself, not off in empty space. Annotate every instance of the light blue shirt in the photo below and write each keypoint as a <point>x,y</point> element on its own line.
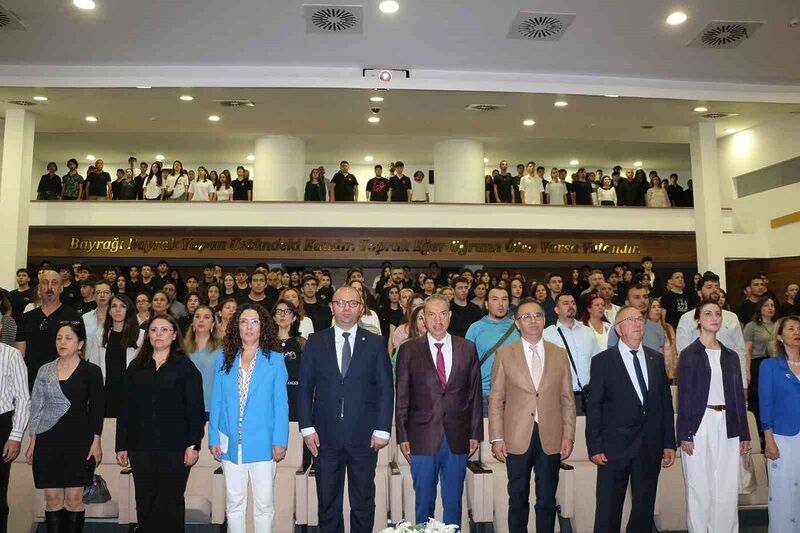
<point>485,333</point>
<point>582,345</point>
<point>653,337</point>
<point>627,358</point>
<point>205,360</point>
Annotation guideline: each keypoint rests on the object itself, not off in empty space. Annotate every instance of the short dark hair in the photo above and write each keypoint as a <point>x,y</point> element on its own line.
<point>192,277</point>
<point>309,277</point>
<point>162,262</point>
<point>458,279</point>
<point>538,168</point>
<point>399,164</point>
<point>708,276</point>
<point>646,259</point>
<point>528,300</point>
<point>633,287</point>
<point>344,163</point>
<point>23,270</point>
<point>72,160</point>
<point>551,275</point>
<point>379,166</point>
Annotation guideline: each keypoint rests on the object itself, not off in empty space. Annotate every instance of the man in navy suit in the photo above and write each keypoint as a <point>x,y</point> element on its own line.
<point>630,430</point>
<point>345,409</point>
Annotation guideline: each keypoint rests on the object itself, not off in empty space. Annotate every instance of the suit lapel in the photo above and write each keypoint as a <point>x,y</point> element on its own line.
<point>623,372</point>
<point>652,372</point>
<point>458,361</point>
<point>518,351</point>
<point>358,345</point>
<point>330,354</point>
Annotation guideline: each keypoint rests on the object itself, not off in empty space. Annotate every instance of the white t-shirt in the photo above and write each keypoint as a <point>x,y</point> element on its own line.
<point>201,190</point>
<point>555,192</point>
<point>532,187</point>
<point>224,195</point>
<point>152,190</point>
<point>419,190</point>
<point>178,186</point>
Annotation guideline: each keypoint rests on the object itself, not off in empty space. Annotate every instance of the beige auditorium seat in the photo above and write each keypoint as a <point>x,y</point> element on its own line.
<point>577,486</point>
<point>20,493</point>
<point>395,481</point>
<point>671,512</point>
<point>760,498</point>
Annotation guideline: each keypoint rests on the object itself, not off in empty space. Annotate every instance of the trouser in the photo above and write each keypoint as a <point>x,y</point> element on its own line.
<point>546,470</point>
<point>426,470</point>
<point>752,392</point>
<point>261,475</point>
<point>711,474</point>
<point>5,470</point>
<point>160,479</point>
<point>330,467</point>
<point>784,490</point>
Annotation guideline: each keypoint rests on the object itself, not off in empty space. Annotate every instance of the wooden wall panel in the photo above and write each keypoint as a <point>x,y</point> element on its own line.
<point>780,271</point>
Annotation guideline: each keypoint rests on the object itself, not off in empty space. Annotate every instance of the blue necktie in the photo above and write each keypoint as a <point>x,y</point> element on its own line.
<point>640,377</point>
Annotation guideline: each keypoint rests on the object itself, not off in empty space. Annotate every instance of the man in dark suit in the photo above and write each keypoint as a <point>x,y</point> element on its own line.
<point>439,411</point>
<point>630,430</point>
<point>345,412</point>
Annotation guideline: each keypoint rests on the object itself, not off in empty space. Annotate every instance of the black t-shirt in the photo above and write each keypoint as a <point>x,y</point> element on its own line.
<point>378,188</point>
<point>745,311</point>
<point>38,332</point>
<point>126,190</point>
<point>583,192</point>
<point>149,287</point>
<point>675,193</point>
<point>688,198</point>
<point>463,317</point>
<point>319,313</point>
<point>98,183</point>
<point>84,307</point>
<point>19,299</point>
<point>292,352</point>
<point>139,181</point>
<point>517,199</point>
<point>116,364</point>
<point>266,303</point>
<point>241,188</point>
<point>389,317</point>
<point>71,295</point>
<point>676,305</point>
<point>490,190</point>
<point>505,184</point>
<point>344,190</point>
<point>324,294</point>
<point>400,187</point>
<point>49,187</point>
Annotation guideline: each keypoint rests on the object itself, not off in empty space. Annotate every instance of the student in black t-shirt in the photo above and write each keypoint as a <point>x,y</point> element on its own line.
<point>378,187</point>
<point>22,295</point>
<point>257,295</point>
<point>97,183</point>
<point>581,189</point>
<point>463,312</point>
<point>344,186</point>
<point>504,185</point>
<point>242,186</point>
<point>70,291</point>
<point>678,300</point>
<point>49,184</point>
<point>399,184</point>
<point>86,302</point>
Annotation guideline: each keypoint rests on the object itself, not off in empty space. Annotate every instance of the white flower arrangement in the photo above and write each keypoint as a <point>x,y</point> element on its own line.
<point>432,526</point>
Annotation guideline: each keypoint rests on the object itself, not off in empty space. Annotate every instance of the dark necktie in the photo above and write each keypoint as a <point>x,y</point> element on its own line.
<point>347,354</point>
<point>440,369</point>
<point>640,377</point>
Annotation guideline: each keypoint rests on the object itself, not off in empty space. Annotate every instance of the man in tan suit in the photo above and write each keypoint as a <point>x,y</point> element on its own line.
<point>531,417</point>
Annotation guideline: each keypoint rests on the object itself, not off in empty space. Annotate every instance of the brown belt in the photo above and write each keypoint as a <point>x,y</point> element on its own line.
<point>716,407</point>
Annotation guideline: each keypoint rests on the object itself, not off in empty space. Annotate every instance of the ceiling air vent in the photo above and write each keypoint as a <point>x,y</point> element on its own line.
<point>484,107</point>
<point>235,103</point>
<point>325,19</point>
<point>23,103</point>
<point>715,116</point>
<point>725,34</point>
<point>9,20</point>
<point>532,26</point>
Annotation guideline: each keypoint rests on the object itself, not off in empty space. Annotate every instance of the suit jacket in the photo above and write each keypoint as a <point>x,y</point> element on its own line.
<point>345,410</point>
<point>513,400</point>
<point>424,411</point>
<point>616,422</point>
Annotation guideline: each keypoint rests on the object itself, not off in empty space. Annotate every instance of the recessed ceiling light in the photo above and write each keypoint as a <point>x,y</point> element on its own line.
<point>159,157</point>
<point>187,98</point>
<point>90,157</point>
<point>637,163</point>
<point>91,119</point>
<point>251,157</point>
<point>213,118</point>
<point>84,4</point>
<point>574,162</point>
<point>611,95</point>
<point>700,109</point>
<point>368,158</point>
<point>40,98</point>
<point>376,99</point>
<point>485,159</point>
<point>730,130</point>
<point>528,122</point>
<point>143,87</point>
<point>561,103</point>
<point>374,120</point>
<point>389,6</point>
<point>679,17</point>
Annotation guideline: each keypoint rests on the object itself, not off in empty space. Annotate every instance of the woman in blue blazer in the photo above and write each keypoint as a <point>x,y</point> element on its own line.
<point>249,420</point>
<point>779,397</point>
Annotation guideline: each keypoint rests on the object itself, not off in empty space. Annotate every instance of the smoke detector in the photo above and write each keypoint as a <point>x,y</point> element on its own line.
<point>235,103</point>
<point>484,107</point>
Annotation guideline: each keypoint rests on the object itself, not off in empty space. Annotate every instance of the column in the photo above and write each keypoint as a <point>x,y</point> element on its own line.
<point>15,192</point>
<point>707,199</point>
<point>458,167</point>
<point>280,168</point>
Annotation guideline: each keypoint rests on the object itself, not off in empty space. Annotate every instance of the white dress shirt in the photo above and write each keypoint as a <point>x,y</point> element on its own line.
<point>339,342</point>
<point>447,351</point>
<point>730,335</point>
<point>627,358</point>
<point>582,345</point>
<point>14,390</point>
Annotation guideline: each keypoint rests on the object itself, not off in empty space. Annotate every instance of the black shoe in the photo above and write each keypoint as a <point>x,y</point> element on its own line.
<point>54,521</point>
<point>74,521</point>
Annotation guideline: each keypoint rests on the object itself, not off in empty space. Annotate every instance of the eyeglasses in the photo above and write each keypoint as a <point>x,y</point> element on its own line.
<point>527,317</point>
<point>249,321</point>
<point>284,312</point>
<point>102,293</point>
<point>346,303</point>
<point>636,319</point>
<point>162,329</point>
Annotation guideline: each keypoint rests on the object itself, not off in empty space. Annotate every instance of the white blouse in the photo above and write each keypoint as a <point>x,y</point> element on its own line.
<point>224,195</point>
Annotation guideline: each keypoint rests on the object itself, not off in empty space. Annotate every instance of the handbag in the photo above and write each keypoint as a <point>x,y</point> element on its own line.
<point>96,491</point>
<point>747,474</point>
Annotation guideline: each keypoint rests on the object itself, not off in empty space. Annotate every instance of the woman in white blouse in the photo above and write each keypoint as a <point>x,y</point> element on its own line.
<point>606,193</point>
<point>201,189</point>
<point>154,186</point>
<point>656,196</point>
<point>595,318</point>
<point>224,191</point>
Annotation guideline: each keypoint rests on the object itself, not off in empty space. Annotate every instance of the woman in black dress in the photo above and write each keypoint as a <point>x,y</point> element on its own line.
<point>66,424</point>
<point>160,425</point>
<point>291,346</point>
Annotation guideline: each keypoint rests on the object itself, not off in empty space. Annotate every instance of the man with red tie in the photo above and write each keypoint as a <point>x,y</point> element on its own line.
<point>439,411</point>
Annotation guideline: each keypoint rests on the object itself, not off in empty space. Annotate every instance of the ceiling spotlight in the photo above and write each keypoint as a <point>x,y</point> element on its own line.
<point>40,98</point>
<point>213,118</point>
<point>389,6</point>
<point>528,122</point>
<point>730,130</point>
<point>90,157</point>
<point>679,17</point>
<point>368,158</point>
<point>374,120</point>
<point>385,76</point>
<point>485,159</point>
<point>91,119</point>
<point>251,157</point>
<point>160,157</point>
<point>376,99</point>
<point>143,87</point>
<point>700,109</point>
<point>611,95</point>
<point>637,164</point>
<point>574,162</point>
<point>187,98</point>
<point>84,4</point>
<point>561,103</point>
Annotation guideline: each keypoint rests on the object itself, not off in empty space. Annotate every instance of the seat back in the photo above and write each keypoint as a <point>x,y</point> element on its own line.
<point>755,442</point>
<point>294,450</point>
<point>580,452</point>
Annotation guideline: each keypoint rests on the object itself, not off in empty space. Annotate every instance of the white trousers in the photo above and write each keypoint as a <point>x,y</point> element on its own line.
<point>712,477</point>
<point>784,486</point>
<point>262,476</point>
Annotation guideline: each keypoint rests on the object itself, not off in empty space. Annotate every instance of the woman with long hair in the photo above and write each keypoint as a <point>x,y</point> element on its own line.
<point>315,188</point>
<point>401,332</point>
<point>201,189</point>
<point>192,302</point>
<point>655,313</point>
<point>113,348</point>
<point>656,196</point>
<point>66,423</point>
<point>480,294</point>
<point>390,313</point>
<point>154,186</point>
<point>213,294</point>
<point>286,318</point>
<point>177,182</point>
<point>712,425</point>
<point>203,337</point>
<point>304,324</point>
<point>369,318</point>
<point>249,423</point>
<point>539,292</point>
<point>160,425</point>
<point>227,311</point>
<point>228,287</point>
<point>416,328</point>
<point>121,285</point>
<point>758,334</point>
<point>224,191</point>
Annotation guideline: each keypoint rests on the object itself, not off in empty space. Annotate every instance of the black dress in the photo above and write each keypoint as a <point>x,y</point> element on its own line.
<point>59,456</point>
<point>116,364</point>
<point>292,351</point>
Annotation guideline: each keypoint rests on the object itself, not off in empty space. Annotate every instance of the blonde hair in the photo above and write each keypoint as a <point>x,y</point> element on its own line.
<point>777,349</point>
<point>215,337</point>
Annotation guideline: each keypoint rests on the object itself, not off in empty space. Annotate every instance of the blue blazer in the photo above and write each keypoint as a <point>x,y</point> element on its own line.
<point>779,397</point>
<point>266,414</point>
<point>345,410</point>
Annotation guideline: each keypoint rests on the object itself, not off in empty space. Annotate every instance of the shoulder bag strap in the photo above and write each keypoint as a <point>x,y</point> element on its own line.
<point>499,343</point>
<point>571,360</point>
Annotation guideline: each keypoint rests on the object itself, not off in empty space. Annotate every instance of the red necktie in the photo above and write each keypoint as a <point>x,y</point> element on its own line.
<point>440,370</point>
